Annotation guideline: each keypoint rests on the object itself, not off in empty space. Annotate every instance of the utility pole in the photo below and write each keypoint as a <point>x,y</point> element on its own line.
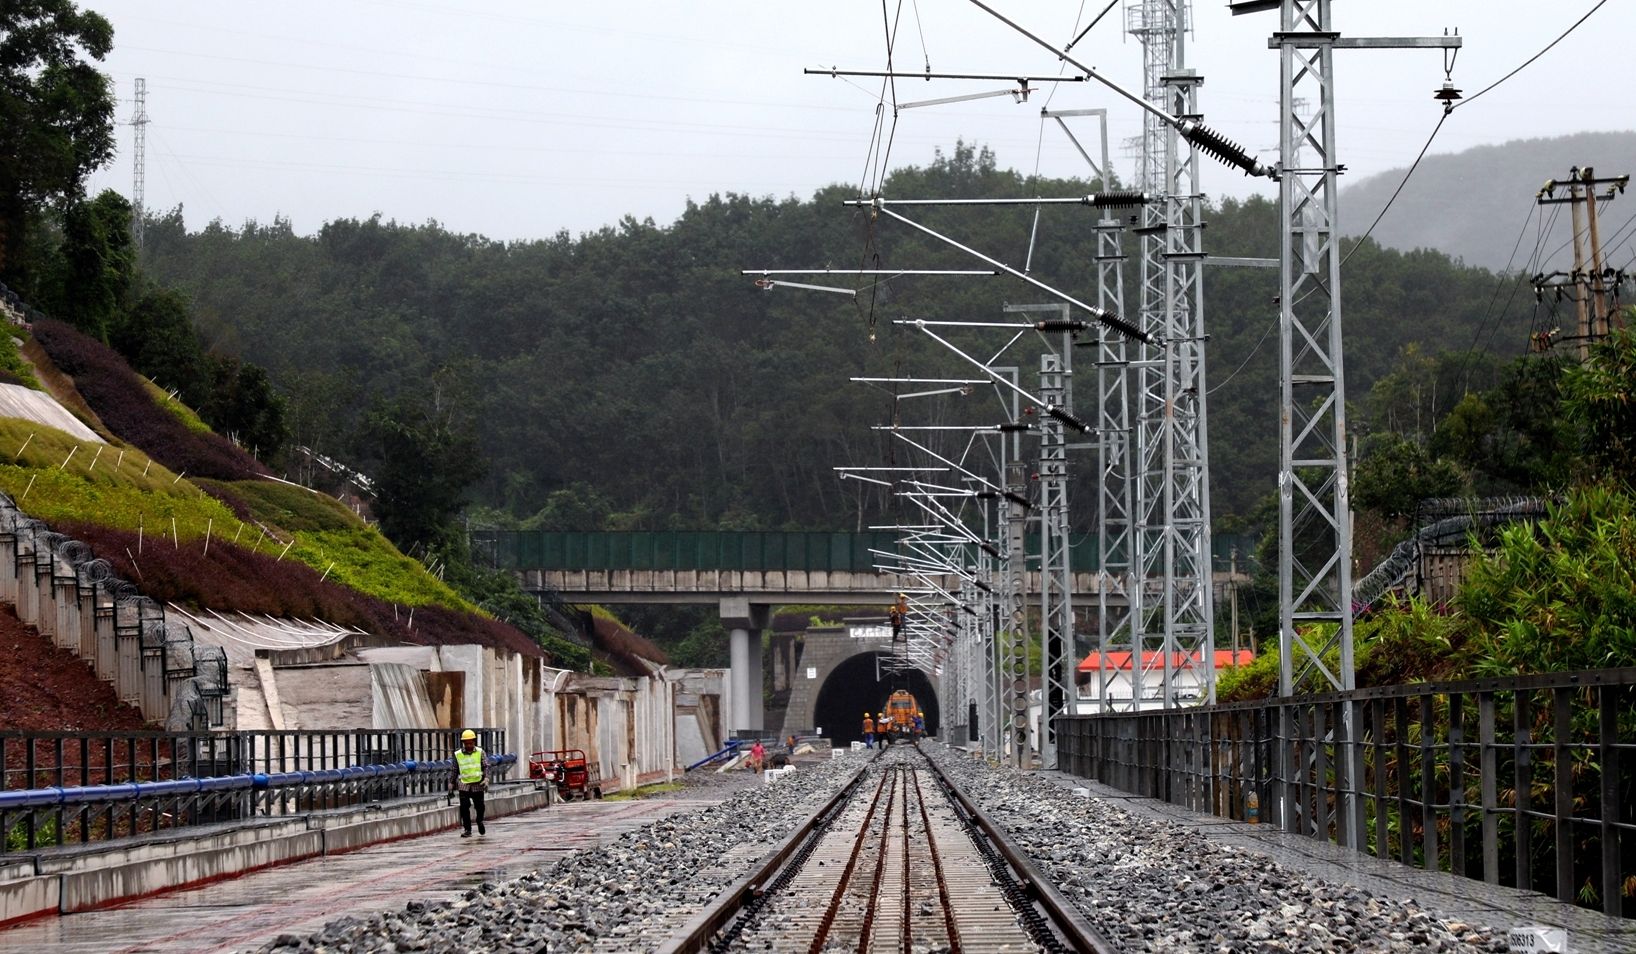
<point>1591,294</point>
<point>139,184</point>
<point>1314,585</point>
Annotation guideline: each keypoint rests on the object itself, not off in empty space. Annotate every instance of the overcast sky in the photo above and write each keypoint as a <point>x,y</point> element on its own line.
<point>518,119</point>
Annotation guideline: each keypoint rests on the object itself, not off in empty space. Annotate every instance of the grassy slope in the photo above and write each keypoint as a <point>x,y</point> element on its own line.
<point>266,539</point>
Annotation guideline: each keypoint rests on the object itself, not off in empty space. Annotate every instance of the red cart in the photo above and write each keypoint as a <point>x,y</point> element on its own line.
<point>569,770</point>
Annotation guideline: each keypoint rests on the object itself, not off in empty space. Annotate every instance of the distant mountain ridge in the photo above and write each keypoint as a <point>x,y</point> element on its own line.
<point>1472,205</point>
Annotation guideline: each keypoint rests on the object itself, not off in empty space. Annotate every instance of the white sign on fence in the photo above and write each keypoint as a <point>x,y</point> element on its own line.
<point>1538,939</point>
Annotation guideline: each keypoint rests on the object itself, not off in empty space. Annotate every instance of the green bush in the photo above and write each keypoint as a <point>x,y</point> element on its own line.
<point>12,365</point>
<point>174,405</point>
<point>1559,594</point>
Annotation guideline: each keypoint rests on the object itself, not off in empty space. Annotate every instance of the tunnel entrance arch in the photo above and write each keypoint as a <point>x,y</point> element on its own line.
<point>852,688</point>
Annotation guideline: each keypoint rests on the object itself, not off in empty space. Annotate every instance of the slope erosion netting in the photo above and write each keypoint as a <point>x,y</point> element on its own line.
<point>333,540</point>
<point>153,525</point>
<point>235,577</point>
<point>121,399</point>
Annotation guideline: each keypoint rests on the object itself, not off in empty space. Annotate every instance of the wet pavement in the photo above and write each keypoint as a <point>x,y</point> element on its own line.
<point>245,912</point>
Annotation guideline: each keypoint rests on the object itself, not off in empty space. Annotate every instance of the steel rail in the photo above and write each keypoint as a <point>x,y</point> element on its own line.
<point>1079,934</point>
<point>734,906</point>
<point>707,923</point>
<point>937,865</point>
<point>868,929</point>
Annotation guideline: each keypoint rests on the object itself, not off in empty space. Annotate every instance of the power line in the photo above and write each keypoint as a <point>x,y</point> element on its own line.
<point>1526,63</point>
<point>1398,191</point>
<point>1449,110</point>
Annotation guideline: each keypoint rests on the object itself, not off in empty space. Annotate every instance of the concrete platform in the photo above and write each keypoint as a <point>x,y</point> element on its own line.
<point>244,912</point>
<point>1450,897</point>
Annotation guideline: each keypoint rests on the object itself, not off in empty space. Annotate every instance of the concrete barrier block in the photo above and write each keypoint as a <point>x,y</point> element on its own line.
<point>29,897</point>
<point>342,838</point>
<point>98,887</point>
<point>185,842</point>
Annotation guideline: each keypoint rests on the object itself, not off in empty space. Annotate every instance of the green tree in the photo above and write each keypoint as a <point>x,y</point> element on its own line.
<point>242,404</point>
<point>56,109</point>
<point>1512,436</point>
<point>1396,473</point>
<point>424,461</point>
<point>1599,397</point>
<point>156,336</point>
<point>95,266</point>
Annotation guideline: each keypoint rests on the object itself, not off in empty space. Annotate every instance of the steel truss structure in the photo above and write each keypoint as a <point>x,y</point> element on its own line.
<point>1171,605</point>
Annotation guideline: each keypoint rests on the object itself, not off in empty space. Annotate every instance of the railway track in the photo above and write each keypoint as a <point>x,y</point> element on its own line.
<point>898,860</point>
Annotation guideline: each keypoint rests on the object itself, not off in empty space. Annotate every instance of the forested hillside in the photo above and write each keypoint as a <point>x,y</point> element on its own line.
<point>632,378</point>
<point>1474,204</point>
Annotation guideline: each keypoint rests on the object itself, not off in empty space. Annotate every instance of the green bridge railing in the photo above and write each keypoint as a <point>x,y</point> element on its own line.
<point>741,550</point>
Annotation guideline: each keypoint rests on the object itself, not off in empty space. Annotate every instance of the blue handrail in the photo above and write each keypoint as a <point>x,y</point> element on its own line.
<point>730,749</point>
<point>54,796</point>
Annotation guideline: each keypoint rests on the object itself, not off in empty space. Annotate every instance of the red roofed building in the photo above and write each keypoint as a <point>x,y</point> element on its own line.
<point>1114,673</point>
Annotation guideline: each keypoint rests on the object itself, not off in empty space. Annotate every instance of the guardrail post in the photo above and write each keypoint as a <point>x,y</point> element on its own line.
<point>1612,810</point>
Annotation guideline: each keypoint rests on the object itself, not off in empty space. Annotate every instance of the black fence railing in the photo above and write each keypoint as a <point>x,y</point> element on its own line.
<point>1527,782</point>
<point>118,784</point>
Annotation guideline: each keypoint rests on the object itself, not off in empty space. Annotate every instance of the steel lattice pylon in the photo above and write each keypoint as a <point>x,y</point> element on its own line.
<point>1056,580</point>
<point>139,152</point>
<point>1013,638</point>
<point>1113,521</point>
<point>1171,605</point>
<point>1314,530</point>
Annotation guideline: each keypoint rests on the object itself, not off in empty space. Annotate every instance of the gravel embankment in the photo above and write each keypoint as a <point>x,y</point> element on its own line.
<point>628,896</point>
<point>1148,885</point>
<point>1154,886</point>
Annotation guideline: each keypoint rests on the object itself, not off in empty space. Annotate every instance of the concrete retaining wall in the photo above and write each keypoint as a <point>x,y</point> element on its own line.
<point>83,878</point>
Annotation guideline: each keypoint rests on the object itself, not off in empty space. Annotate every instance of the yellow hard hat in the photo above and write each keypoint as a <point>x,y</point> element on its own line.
<point>468,736</point>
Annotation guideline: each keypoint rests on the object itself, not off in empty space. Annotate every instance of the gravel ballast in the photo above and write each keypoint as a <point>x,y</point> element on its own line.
<point>627,896</point>
<point>1148,885</point>
<point>1151,885</point>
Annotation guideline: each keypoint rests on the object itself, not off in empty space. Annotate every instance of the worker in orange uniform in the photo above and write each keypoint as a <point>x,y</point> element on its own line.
<point>868,731</point>
<point>898,614</point>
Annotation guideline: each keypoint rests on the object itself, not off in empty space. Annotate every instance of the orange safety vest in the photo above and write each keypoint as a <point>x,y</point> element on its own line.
<point>868,724</point>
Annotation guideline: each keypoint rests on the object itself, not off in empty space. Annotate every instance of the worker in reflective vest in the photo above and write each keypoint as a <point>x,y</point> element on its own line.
<point>470,762</point>
<point>868,731</point>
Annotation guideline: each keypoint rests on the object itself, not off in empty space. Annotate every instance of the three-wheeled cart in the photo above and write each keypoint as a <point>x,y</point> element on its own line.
<point>569,770</point>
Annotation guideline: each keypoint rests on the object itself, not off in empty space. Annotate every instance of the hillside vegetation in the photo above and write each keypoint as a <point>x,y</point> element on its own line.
<point>249,544</point>
<point>1472,205</point>
<point>632,378</point>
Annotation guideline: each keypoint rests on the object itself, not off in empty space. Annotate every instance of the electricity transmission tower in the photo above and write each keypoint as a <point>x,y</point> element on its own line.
<point>1171,601</point>
<point>1314,510</point>
<point>139,184</point>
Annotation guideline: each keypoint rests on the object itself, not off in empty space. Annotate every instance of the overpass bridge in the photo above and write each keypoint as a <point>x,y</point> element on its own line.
<point>770,567</point>
<point>746,573</point>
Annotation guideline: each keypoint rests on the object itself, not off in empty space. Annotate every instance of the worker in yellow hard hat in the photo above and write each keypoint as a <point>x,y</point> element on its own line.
<point>470,781</point>
<point>868,731</point>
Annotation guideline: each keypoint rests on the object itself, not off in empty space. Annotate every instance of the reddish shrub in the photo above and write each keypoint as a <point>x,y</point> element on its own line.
<point>235,578</point>
<point>625,649</point>
<point>115,392</point>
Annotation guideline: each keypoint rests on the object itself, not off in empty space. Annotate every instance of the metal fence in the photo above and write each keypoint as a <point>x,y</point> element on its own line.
<point>1524,782</point>
<point>59,788</point>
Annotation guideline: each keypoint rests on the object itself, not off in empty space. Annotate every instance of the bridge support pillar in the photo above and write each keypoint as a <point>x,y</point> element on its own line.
<point>744,622</point>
